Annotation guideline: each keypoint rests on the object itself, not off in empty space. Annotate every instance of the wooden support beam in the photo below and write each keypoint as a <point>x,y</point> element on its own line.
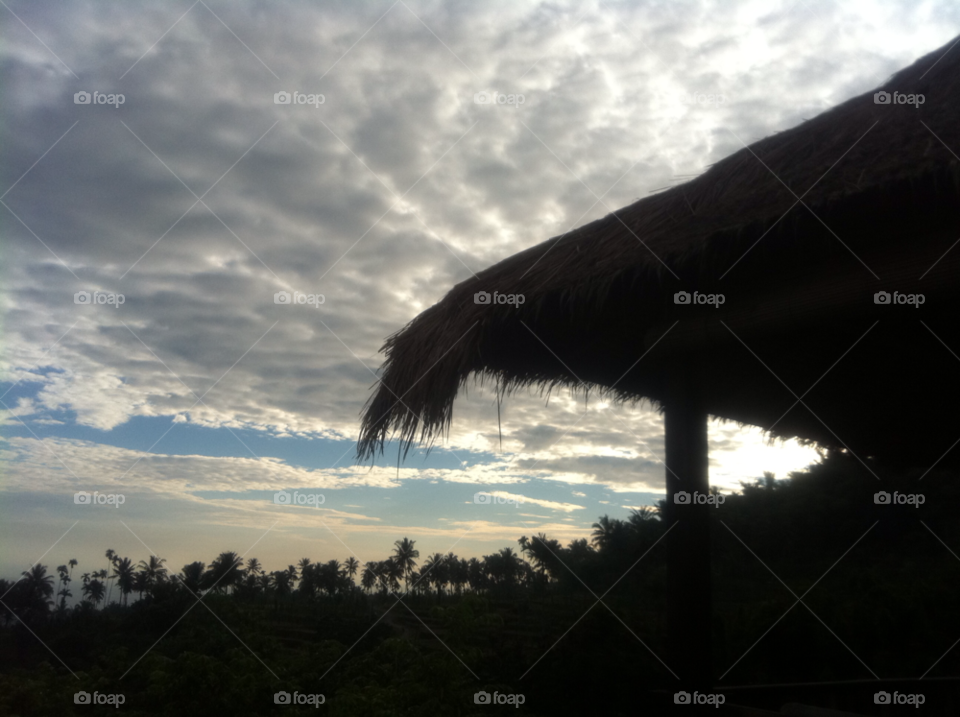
<point>688,543</point>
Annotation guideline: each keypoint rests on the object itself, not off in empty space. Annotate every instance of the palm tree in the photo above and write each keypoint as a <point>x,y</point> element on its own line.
<point>225,570</point>
<point>38,582</point>
<point>254,567</point>
<point>461,572</point>
<point>391,573</point>
<point>330,576</point>
<point>123,572</point>
<point>32,594</point>
<point>368,578</point>
<point>193,577</point>
<point>64,591</point>
<point>63,579</point>
<point>642,515</point>
<point>94,590</point>
<point>476,575</point>
<point>544,553</point>
<point>281,584</point>
<point>404,554</point>
<point>64,594</point>
<point>141,582</point>
<point>153,570</point>
<point>352,565</point>
<point>435,572</point>
<point>609,534</point>
<point>504,567</point>
<point>111,559</point>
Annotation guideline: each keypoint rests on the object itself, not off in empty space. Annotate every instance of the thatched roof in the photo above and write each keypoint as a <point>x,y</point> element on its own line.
<point>880,189</point>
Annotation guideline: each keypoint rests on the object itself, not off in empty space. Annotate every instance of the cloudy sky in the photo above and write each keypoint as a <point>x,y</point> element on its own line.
<point>187,190</point>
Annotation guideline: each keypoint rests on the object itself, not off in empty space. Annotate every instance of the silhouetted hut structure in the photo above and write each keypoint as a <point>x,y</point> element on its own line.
<point>798,232</point>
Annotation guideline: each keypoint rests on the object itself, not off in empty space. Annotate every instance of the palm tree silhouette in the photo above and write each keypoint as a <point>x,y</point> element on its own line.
<point>281,584</point>
<point>369,576</point>
<point>94,590</point>
<point>141,582</point>
<point>124,574</point>
<point>352,565</point>
<point>303,564</point>
<point>404,554</point>
<point>609,533</point>
<point>154,570</point>
<point>193,577</point>
<point>393,573</point>
<point>225,570</point>
<point>111,559</point>
<point>34,593</point>
<point>435,572</point>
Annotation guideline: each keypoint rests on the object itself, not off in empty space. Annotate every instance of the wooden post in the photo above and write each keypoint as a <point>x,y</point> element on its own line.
<point>688,543</point>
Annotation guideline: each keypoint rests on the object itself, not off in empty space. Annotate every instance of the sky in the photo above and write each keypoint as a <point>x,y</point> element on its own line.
<point>148,234</point>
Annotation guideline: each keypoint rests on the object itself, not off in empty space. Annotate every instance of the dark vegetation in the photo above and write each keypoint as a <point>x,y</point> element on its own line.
<point>882,581</point>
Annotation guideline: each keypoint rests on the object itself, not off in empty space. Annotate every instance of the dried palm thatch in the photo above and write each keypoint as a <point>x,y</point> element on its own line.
<point>797,231</point>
